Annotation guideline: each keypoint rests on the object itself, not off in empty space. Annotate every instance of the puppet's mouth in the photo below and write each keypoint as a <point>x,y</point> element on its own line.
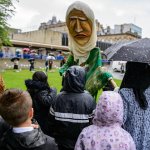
<point>80,36</point>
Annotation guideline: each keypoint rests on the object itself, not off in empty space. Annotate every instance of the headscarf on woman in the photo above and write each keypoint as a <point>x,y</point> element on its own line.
<point>137,77</point>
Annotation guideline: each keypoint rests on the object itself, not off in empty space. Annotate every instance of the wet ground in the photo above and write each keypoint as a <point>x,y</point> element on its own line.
<point>116,75</point>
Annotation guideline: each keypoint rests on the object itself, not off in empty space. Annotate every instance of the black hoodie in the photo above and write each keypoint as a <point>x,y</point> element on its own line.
<point>3,126</point>
<point>32,140</point>
<point>42,97</point>
<point>72,109</point>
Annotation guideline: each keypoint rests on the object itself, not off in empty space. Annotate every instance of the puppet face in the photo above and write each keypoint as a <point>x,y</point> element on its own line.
<point>80,27</point>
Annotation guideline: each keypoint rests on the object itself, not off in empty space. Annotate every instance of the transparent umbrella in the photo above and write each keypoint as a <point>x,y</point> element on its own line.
<point>18,50</point>
<point>135,51</point>
<point>50,58</point>
<point>31,59</point>
<point>15,58</point>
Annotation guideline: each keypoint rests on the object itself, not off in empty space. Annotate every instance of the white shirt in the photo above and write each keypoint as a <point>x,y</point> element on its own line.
<point>22,129</point>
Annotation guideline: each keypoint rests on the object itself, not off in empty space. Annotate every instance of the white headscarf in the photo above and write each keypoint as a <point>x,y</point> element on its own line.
<point>82,52</point>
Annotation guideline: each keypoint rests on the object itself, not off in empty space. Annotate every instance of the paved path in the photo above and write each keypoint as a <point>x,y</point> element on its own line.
<point>116,75</point>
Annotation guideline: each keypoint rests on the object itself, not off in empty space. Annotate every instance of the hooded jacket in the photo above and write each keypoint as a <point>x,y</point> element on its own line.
<point>72,109</point>
<point>42,97</point>
<point>32,140</point>
<point>106,132</point>
<point>3,126</point>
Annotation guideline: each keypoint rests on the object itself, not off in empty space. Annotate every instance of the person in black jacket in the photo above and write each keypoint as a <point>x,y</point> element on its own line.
<point>42,96</point>
<point>31,65</point>
<point>3,126</point>
<point>16,109</point>
<point>72,110</point>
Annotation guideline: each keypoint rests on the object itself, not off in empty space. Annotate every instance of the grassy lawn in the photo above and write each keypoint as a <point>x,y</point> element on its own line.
<point>16,79</point>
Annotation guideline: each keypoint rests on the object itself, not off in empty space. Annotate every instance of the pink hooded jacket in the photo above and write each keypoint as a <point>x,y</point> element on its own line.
<point>106,132</point>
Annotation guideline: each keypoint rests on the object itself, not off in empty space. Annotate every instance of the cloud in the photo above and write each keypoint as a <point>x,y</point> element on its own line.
<point>23,17</point>
<point>120,13</point>
<point>31,13</point>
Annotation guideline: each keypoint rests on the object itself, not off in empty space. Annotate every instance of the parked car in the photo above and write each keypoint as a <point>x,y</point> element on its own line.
<point>119,66</point>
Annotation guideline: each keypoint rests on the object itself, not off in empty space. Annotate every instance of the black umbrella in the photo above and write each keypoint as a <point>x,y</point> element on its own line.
<point>31,59</point>
<point>15,58</point>
<point>136,51</point>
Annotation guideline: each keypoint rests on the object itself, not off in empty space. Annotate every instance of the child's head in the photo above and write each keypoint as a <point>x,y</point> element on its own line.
<point>74,79</point>
<point>15,106</point>
<point>109,109</point>
<point>40,76</point>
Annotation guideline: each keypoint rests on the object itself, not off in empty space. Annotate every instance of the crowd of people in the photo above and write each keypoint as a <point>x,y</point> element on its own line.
<point>39,118</point>
<point>42,118</point>
<point>49,61</point>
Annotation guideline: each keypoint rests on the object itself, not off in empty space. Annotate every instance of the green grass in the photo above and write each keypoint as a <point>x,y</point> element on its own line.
<point>118,82</point>
<point>16,79</point>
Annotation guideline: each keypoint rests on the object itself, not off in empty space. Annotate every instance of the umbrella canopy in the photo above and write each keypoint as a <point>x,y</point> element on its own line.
<point>15,58</point>
<point>26,49</point>
<point>50,58</point>
<point>33,54</point>
<point>33,51</point>
<point>31,59</point>
<point>18,50</point>
<point>136,51</point>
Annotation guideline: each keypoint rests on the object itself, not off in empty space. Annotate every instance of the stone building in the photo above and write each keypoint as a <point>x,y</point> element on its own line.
<point>44,36</point>
<point>113,38</point>
<point>55,33</point>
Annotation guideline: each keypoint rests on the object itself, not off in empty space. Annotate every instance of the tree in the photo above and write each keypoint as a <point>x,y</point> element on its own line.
<point>6,11</point>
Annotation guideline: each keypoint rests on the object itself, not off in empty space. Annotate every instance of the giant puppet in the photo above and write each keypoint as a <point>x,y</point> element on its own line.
<point>81,25</point>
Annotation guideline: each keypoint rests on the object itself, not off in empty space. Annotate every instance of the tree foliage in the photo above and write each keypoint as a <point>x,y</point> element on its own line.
<point>6,11</point>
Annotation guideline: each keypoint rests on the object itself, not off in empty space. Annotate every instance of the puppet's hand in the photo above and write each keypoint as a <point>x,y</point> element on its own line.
<point>83,64</point>
<point>116,89</point>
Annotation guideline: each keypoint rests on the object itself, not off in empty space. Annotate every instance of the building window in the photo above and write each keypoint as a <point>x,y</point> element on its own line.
<point>103,45</point>
<point>64,39</point>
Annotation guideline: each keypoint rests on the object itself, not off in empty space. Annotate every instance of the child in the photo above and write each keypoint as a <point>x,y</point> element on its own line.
<point>106,132</point>
<point>72,109</point>
<point>42,96</point>
<point>16,109</point>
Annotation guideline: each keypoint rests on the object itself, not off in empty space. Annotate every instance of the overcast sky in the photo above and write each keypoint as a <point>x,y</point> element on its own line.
<point>30,13</point>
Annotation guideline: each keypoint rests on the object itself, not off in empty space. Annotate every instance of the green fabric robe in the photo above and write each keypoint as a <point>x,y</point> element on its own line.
<point>96,77</point>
